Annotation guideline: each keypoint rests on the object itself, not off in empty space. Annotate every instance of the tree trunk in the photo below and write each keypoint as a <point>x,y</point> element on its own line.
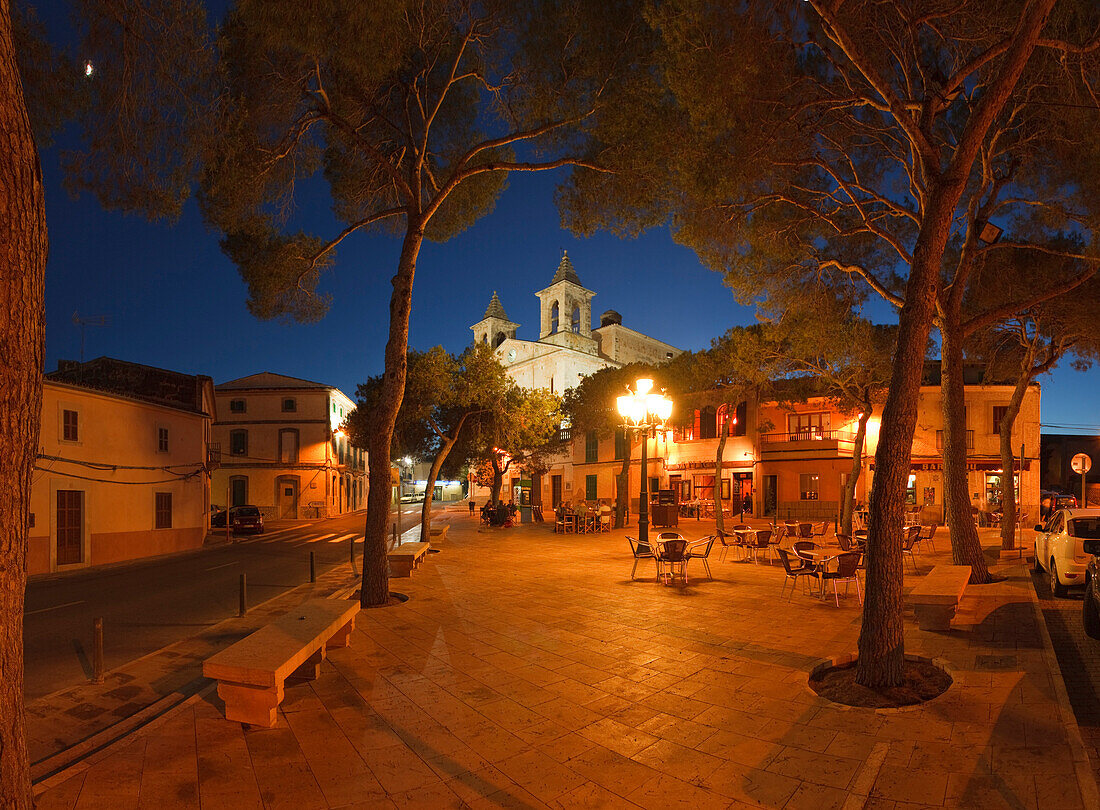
<point>622,488</point>
<point>881,640</point>
<point>1008,478</point>
<point>23,248</point>
<point>719,523</point>
<point>376,577</point>
<point>966,549</point>
<point>498,478</point>
<point>881,637</point>
<point>429,488</point>
<point>848,497</point>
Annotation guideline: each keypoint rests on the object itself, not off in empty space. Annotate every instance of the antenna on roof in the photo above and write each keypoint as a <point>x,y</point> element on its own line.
<point>90,320</point>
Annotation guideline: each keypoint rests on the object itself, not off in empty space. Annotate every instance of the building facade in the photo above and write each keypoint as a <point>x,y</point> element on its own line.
<point>793,459</point>
<point>568,347</point>
<point>283,448</point>
<point>123,466</point>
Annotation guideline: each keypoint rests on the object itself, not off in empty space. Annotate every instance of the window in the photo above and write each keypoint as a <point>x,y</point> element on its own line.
<point>162,440</point>
<point>163,511</point>
<point>809,486</point>
<point>620,445</point>
<point>554,318</point>
<point>70,431</point>
<point>590,487</point>
<point>576,320</point>
<point>238,490</point>
<point>69,528</point>
<point>238,442</point>
<point>741,417</point>
<point>911,490</point>
<point>236,406</point>
<point>807,425</point>
<point>591,447</point>
<point>704,487</point>
<point>290,405</point>
<point>288,446</point>
<point>708,424</point>
<point>999,412</point>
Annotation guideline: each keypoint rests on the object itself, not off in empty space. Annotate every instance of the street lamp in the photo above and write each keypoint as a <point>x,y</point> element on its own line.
<point>643,411</point>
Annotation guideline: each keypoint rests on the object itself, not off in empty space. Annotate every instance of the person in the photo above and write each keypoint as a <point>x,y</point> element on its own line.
<point>472,507</point>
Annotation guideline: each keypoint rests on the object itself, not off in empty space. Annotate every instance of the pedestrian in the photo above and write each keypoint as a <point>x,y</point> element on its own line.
<point>471,507</point>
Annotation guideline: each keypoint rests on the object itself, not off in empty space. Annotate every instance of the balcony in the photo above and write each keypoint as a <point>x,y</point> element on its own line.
<point>213,455</point>
<point>969,440</point>
<point>835,442</point>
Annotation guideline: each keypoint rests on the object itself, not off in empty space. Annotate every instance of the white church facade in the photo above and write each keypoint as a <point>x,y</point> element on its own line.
<point>568,348</point>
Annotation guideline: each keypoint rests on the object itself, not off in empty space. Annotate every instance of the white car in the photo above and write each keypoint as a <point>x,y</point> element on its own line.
<point>1059,546</point>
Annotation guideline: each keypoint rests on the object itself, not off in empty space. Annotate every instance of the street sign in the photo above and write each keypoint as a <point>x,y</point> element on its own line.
<point>1080,463</point>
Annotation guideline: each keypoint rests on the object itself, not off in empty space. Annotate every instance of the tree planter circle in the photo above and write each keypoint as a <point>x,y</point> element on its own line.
<point>923,680</point>
<point>394,599</point>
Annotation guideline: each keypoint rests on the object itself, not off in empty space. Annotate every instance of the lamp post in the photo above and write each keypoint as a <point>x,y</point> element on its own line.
<point>642,411</point>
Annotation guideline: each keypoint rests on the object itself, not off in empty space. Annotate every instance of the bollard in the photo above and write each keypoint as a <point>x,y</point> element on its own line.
<point>97,651</point>
<point>243,609</point>
<point>395,534</point>
<point>312,567</point>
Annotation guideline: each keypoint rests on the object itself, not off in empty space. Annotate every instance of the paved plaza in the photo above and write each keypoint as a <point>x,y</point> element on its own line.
<point>528,670</point>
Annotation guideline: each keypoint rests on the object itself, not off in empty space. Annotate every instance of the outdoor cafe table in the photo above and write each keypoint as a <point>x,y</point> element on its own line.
<point>820,556</point>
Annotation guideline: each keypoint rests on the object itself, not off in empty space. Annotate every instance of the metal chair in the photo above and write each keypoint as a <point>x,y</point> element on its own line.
<point>820,529</point>
<point>912,534</point>
<point>692,554</point>
<point>671,552</point>
<point>641,551</point>
<point>926,534</point>
<point>793,572</point>
<point>763,541</point>
<point>846,571</point>
<point>728,541</point>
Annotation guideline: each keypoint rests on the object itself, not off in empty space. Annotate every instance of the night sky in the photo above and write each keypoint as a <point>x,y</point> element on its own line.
<point>176,302</point>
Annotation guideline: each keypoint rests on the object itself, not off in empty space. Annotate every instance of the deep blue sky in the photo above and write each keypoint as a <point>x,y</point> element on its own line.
<point>176,302</point>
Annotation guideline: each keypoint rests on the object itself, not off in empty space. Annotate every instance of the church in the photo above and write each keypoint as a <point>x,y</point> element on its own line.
<point>568,348</point>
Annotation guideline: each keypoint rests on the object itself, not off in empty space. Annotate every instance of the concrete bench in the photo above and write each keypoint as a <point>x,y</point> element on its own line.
<point>406,558</point>
<point>439,532</point>
<point>936,598</point>
<point>251,674</point>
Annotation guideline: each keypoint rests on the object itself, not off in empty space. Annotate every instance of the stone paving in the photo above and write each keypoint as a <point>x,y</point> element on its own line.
<point>528,670</point>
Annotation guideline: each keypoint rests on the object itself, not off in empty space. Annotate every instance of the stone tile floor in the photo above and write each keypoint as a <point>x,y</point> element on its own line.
<point>528,670</point>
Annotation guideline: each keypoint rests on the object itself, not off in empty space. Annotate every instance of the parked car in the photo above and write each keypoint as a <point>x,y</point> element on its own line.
<point>244,519</point>
<point>1090,605</point>
<point>1059,546</point>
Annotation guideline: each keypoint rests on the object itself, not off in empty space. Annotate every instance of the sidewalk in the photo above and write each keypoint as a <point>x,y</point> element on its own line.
<point>528,670</point>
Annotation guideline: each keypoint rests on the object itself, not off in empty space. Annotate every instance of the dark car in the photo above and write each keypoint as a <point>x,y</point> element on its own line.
<point>244,518</point>
<point>1090,606</point>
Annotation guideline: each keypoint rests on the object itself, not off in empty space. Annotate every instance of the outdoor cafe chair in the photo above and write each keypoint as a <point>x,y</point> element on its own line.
<point>641,551</point>
<point>793,572</point>
<point>911,536</point>
<point>693,554</point>
<point>926,534</point>
<point>671,556</point>
<point>763,541</point>
<point>805,530</point>
<point>846,571</point>
<point>605,518</point>
<point>821,529</point>
<point>728,541</point>
<point>844,541</point>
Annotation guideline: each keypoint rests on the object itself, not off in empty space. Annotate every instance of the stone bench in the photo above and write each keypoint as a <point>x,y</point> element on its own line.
<point>251,674</point>
<point>936,598</point>
<point>406,558</point>
<point>439,532</point>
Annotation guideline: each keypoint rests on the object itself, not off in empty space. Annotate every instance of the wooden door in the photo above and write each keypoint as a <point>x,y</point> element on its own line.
<point>70,526</point>
<point>555,491</point>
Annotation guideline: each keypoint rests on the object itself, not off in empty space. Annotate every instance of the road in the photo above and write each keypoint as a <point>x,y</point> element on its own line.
<point>1078,659</point>
<point>150,604</point>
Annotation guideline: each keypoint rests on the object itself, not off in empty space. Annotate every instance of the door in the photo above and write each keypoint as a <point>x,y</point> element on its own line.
<point>555,491</point>
<point>536,490</point>
<point>288,498</point>
<point>238,491</point>
<point>771,495</point>
<point>70,526</point>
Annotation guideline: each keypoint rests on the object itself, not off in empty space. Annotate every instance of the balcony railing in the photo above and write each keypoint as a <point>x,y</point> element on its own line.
<point>808,436</point>
<point>565,434</point>
<point>213,455</point>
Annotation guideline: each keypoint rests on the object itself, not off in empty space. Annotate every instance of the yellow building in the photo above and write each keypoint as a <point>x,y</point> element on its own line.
<point>283,449</point>
<point>792,459</point>
<point>122,471</point>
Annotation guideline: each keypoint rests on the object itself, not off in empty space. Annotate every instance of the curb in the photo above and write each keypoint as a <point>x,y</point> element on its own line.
<point>1082,767</point>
